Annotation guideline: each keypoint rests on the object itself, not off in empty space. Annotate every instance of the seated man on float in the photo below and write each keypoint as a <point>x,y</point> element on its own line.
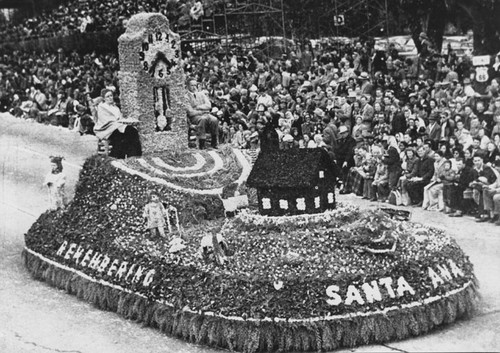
<point>198,112</point>
<point>111,126</point>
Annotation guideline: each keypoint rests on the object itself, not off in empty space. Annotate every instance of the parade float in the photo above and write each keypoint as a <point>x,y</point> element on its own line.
<point>292,270</point>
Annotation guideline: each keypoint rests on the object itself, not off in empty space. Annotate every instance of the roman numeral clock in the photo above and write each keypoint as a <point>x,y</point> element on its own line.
<point>151,80</point>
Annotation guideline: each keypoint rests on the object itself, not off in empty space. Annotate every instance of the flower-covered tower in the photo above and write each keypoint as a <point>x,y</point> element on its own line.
<point>152,82</point>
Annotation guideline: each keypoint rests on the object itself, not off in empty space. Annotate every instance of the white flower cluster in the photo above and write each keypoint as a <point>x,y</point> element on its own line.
<point>266,203</point>
<point>330,197</point>
<point>301,204</point>
<point>327,217</point>
<point>284,204</point>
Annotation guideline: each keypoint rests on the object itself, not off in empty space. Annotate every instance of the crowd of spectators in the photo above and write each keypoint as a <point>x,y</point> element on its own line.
<point>55,88</point>
<point>398,131</point>
<point>79,16</point>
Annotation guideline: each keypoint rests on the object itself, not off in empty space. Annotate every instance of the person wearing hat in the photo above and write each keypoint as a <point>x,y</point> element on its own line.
<point>434,128</point>
<point>344,154</point>
<point>110,126</point>
<point>366,86</point>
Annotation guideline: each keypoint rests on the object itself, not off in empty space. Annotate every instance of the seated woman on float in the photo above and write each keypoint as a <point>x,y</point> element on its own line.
<point>110,125</point>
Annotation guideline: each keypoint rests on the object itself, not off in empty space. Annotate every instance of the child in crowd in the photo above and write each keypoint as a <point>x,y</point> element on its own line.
<point>380,180</point>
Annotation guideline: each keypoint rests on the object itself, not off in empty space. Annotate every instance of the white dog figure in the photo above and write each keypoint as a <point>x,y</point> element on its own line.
<point>213,247</point>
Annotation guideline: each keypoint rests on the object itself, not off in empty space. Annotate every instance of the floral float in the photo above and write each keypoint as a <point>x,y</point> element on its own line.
<point>341,278</point>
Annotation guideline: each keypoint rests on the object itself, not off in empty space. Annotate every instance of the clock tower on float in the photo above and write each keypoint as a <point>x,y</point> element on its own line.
<point>152,82</point>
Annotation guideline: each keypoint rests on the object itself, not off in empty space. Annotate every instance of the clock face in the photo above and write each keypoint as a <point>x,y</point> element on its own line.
<point>159,54</point>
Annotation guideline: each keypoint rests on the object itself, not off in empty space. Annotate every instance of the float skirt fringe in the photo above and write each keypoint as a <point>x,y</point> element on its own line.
<point>264,335</point>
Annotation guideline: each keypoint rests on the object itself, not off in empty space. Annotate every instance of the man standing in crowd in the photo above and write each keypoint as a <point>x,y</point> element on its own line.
<point>367,111</point>
<point>198,110</point>
<point>344,154</point>
<point>330,132</point>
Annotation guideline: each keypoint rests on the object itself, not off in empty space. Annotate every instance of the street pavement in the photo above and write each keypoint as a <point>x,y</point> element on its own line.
<point>35,317</point>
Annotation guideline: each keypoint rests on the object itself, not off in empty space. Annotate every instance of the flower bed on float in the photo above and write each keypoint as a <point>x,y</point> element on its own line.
<point>307,282</point>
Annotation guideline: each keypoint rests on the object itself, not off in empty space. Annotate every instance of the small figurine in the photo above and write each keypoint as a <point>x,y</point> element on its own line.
<point>176,245</point>
<point>56,181</point>
<point>155,214</point>
<point>214,248</point>
<point>172,218</point>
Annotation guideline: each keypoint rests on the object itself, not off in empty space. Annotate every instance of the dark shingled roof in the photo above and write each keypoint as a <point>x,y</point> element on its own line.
<point>290,168</point>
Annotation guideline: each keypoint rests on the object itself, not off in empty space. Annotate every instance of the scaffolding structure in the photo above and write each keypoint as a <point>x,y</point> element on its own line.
<point>237,25</point>
<point>362,17</point>
<point>338,18</point>
<point>242,25</point>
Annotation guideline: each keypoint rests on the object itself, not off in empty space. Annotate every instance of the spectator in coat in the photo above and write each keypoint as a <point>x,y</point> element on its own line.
<point>393,161</point>
<point>330,132</point>
<point>367,111</point>
<point>434,128</point>
<point>344,154</point>
<point>396,119</point>
<point>367,88</point>
<point>454,194</point>
<point>422,176</point>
